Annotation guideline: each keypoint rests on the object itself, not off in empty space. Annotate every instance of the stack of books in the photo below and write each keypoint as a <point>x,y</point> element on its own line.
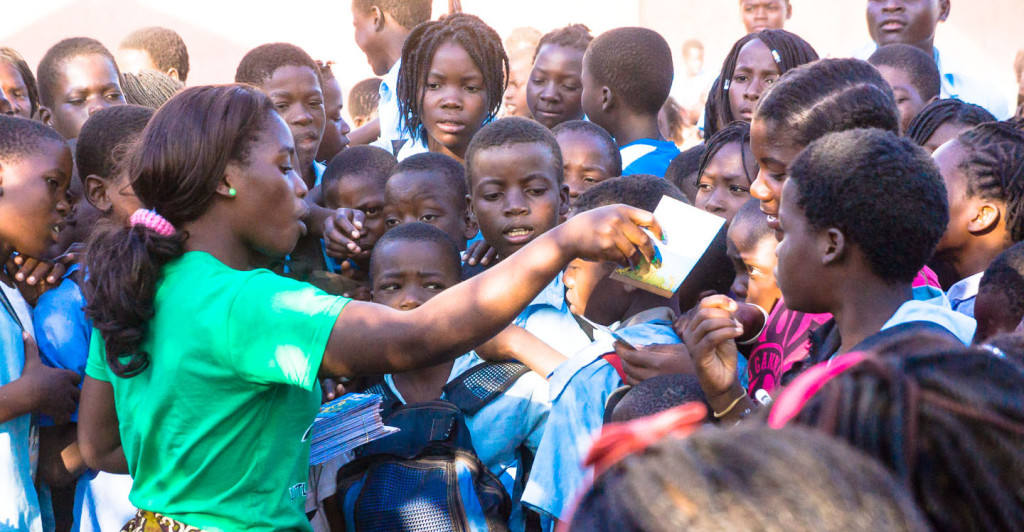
<point>344,424</point>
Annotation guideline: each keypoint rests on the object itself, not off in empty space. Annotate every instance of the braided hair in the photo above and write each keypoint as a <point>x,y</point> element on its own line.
<point>949,424</point>
<point>946,111</point>
<point>479,40</point>
<point>994,165</point>
<point>738,131</point>
<point>789,51</point>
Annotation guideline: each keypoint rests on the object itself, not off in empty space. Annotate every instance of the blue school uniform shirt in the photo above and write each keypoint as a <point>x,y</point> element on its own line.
<point>63,333</point>
<point>647,156</point>
<point>579,388</point>
<point>931,305</point>
<point>962,294</point>
<point>513,420</point>
<point>19,444</point>
<point>548,318</point>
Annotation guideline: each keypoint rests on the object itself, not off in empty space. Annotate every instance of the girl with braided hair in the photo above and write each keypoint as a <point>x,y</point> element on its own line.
<point>983,170</point>
<point>451,82</point>
<point>943,120</point>
<point>754,63</point>
<point>726,171</point>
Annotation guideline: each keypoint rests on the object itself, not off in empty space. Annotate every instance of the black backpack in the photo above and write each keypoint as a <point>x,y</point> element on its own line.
<point>427,476</point>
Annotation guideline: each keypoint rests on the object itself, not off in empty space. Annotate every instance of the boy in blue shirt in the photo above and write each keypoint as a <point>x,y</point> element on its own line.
<point>627,76</point>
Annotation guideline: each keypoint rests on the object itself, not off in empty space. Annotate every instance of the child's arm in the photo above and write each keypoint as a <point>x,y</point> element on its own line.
<point>99,436</point>
<point>470,313</point>
<point>365,134</point>
<point>516,343</point>
<point>60,459</point>
<point>39,390</point>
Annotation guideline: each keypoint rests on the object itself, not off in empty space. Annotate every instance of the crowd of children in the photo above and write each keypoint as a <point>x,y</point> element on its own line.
<point>191,272</point>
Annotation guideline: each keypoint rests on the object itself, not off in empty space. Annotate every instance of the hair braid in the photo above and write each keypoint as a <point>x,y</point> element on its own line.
<point>995,169</point>
<point>948,111</point>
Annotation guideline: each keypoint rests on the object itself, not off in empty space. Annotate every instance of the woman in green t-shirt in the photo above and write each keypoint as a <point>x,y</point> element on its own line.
<point>202,379</point>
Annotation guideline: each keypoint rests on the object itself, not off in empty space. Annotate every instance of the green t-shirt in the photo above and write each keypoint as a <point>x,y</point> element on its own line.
<point>216,429</point>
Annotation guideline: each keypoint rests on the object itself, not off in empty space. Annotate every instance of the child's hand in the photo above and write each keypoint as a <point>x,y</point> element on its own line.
<point>709,334</point>
<point>643,363</point>
<point>341,233</point>
<point>610,234</point>
<point>54,392</point>
<point>332,389</point>
<point>33,276</point>
<point>481,253</point>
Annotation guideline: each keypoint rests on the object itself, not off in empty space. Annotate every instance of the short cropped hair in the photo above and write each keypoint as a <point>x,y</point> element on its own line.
<point>105,137</point>
<point>163,45</point>
<point>1006,276</point>
<point>21,137</point>
<point>755,223</point>
<point>583,127</point>
<point>364,97</point>
<point>364,161</point>
<point>259,64</point>
<point>683,171</point>
<point>575,36</point>
<point>638,191</point>
<point>636,64</point>
<point>510,131</point>
<point>658,394</point>
<point>60,53</point>
<point>407,13</point>
<point>921,67</point>
<point>442,167</point>
<point>418,232</point>
<point>839,178</point>
<point>13,58</point>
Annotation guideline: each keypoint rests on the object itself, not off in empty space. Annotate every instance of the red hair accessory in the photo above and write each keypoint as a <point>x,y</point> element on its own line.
<point>619,440</point>
<point>153,221</point>
<point>793,399</point>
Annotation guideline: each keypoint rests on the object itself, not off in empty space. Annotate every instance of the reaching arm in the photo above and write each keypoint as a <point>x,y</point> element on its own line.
<point>99,436</point>
<point>473,311</point>
<point>365,133</point>
<point>516,343</point>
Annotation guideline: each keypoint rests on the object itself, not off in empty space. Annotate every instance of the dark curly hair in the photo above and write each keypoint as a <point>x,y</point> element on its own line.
<point>636,63</point>
<point>576,36</point>
<point>164,47</point>
<point>994,165</point>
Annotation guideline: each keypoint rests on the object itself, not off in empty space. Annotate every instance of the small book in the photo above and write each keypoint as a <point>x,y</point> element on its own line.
<point>688,231</point>
<point>344,424</point>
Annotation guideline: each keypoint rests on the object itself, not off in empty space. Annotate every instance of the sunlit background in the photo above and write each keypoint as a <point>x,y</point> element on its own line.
<point>984,34</point>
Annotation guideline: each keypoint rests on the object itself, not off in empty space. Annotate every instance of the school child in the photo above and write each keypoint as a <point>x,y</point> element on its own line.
<point>589,155</point>
<point>516,194</point>
<point>363,100</point>
<point>63,331</point>
<point>554,89</point>
<point>77,77</point>
<point>580,386</point>
<point>842,254</point>
<point>355,179</point>
<point>745,480</point>
<point>215,163</point>
<point>983,170</point>
<point>627,75</point>
<point>999,306</point>
<point>760,15</point>
<point>154,48</point>
<point>751,246</point>
<point>682,171</point>
<point>755,62</point>
<point>726,171</point>
<point>337,129</point>
<point>18,92</point>
<point>412,264</point>
<point>520,65</point>
<point>452,78</point>
<point>381,28</point>
<point>653,396</point>
<point>149,88</point>
<point>914,23</point>
<point>36,168</point>
<point>944,120</point>
<point>913,76</point>
<point>430,188</point>
<point>960,459</point>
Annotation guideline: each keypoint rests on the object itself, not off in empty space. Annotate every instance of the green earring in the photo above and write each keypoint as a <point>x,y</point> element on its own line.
<point>232,192</point>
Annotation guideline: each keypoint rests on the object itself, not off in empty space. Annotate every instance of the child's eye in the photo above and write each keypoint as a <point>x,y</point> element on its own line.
<point>434,286</point>
<point>590,180</point>
<point>76,101</point>
<point>281,106</point>
<point>739,190</point>
<point>571,87</point>
<point>316,103</point>
<point>114,96</point>
<point>706,187</point>
<point>537,191</point>
<point>472,89</point>
<point>373,211</point>
<point>427,218</point>
<point>392,222</point>
<point>389,287</point>
<point>53,184</point>
<point>493,196</point>
<point>433,86</point>
<point>286,169</point>
<point>777,177</point>
<point>740,78</point>
<point>769,80</point>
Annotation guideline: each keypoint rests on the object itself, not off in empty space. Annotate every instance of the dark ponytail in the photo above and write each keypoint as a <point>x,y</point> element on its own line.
<point>175,169</point>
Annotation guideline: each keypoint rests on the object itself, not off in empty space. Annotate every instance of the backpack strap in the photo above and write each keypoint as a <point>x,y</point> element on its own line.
<point>389,401</point>
<point>918,326</point>
<point>472,390</point>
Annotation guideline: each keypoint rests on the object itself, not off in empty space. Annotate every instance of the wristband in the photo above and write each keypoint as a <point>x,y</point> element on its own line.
<point>720,415</point>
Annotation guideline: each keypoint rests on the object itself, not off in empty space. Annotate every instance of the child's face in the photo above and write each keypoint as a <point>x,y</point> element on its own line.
<point>408,274</point>
<point>755,71</point>
<point>296,94</point>
<point>764,14</point>
<point>515,94</point>
<point>366,39</point>
<point>725,185</point>
<point>755,268</point>
<point>555,87</point>
<point>585,162</point>
<point>416,197</point>
<point>362,193</point>
<point>455,100</point>
<point>515,195</point>
<point>85,84</point>
<point>910,22</point>
<point>591,293</point>
<point>943,134</point>
<point>963,209</point>
<point>908,100</point>
<point>797,270</point>
<point>992,311</point>
<point>336,131</point>
<point>13,92</point>
<point>81,217</point>
<point>34,201</point>
<point>774,150</point>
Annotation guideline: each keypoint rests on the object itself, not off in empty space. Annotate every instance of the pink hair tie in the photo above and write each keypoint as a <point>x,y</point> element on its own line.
<point>793,399</point>
<point>153,221</point>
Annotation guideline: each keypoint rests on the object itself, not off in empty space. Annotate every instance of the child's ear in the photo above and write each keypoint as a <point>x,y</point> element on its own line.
<point>563,198</point>
<point>607,99</point>
<point>472,228</point>
<point>232,175</point>
<point>833,246</point>
<point>173,72</point>
<point>45,116</point>
<point>986,218</point>
<point>378,18</point>
<point>944,7</point>
<point>96,193</point>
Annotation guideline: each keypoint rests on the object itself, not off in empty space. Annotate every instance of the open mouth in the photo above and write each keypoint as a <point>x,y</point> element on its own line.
<point>518,235</point>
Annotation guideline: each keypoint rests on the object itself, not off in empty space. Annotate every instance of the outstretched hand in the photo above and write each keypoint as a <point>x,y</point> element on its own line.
<point>610,234</point>
<point>341,234</point>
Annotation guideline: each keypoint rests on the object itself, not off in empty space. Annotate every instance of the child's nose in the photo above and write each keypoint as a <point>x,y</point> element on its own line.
<point>298,185</point>
<point>515,202</point>
<point>6,106</point>
<point>549,92</point>
<point>410,301</point>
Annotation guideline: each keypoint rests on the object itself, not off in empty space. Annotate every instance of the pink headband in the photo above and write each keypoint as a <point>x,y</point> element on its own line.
<point>153,221</point>
<point>792,400</point>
